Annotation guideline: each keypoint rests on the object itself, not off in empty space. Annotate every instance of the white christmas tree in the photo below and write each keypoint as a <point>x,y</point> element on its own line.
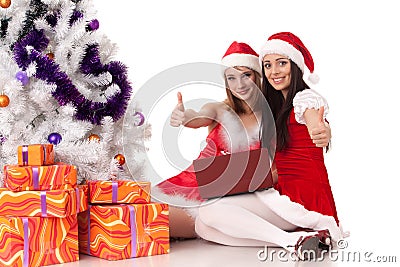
<point>60,85</point>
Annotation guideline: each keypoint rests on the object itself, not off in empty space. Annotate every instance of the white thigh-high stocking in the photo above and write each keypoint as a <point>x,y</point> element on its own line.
<point>212,234</point>
<point>238,222</point>
<point>253,204</point>
<point>296,214</point>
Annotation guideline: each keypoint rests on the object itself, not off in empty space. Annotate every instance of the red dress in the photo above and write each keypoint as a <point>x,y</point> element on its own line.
<point>302,174</point>
<point>185,184</point>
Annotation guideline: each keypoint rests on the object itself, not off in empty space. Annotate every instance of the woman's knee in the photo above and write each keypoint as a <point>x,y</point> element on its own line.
<point>210,214</point>
<point>181,223</point>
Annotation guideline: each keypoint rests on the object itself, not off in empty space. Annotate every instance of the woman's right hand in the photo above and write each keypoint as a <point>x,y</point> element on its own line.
<point>191,118</point>
<point>178,114</point>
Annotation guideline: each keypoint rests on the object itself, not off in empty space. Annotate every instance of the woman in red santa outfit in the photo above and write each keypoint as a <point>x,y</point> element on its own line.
<point>234,125</point>
<point>297,109</point>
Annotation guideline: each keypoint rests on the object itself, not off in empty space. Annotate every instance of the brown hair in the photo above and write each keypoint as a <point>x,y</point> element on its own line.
<point>267,133</point>
<point>238,105</point>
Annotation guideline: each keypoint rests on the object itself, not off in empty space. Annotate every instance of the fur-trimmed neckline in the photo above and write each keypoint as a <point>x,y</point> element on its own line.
<point>234,134</point>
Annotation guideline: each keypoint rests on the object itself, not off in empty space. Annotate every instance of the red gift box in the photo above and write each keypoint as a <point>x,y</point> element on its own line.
<point>37,154</point>
<point>121,192</point>
<point>53,203</point>
<point>36,241</point>
<point>115,232</point>
<point>26,178</point>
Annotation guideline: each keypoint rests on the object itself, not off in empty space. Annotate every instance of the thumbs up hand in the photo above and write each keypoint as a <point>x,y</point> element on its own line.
<point>180,103</point>
<point>321,111</point>
<point>321,134</point>
<point>178,114</point>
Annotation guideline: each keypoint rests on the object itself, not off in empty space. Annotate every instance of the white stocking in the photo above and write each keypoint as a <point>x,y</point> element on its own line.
<point>212,234</point>
<point>297,214</point>
<point>245,217</point>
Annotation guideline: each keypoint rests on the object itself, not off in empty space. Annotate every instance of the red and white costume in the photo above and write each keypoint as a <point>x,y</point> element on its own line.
<point>302,202</point>
<point>226,137</point>
<point>301,168</point>
<point>302,197</point>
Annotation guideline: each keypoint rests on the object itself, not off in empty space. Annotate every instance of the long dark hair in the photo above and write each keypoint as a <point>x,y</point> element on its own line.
<point>280,106</point>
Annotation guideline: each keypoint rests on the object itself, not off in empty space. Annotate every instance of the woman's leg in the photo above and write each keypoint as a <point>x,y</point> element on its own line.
<point>253,204</point>
<point>211,234</point>
<point>244,218</point>
<point>181,224</point>
<point>182,212</point>
<point>296,214</point>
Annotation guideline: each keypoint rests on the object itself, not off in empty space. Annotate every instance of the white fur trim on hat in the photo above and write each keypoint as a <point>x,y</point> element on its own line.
<point>280,47</point>
<point>245,60</point>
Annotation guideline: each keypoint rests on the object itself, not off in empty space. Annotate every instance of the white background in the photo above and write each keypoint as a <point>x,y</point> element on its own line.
<point>355,45</point>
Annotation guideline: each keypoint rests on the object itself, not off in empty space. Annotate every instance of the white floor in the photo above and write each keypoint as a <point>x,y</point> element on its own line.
<point>200,253</point>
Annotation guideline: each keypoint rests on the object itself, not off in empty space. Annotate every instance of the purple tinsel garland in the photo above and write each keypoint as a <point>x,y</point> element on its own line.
<point>2,139</point>
<point>75,16</point>
<point>47,70</point>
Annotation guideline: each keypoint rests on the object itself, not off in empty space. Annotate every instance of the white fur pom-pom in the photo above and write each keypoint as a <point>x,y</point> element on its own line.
<point>313,78</point>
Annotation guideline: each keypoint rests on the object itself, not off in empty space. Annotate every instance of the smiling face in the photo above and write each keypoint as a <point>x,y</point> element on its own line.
<point>241,82</point>
<point>278,72</point>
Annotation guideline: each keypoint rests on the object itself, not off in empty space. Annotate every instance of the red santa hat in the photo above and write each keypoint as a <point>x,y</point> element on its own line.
<point>241,54</point>
<point>288,44</point>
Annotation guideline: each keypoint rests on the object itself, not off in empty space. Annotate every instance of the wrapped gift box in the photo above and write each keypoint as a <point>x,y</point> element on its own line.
<point>53,203</point>
<point>37,241</point>
<point>115,232</point>
<point>25,178</point>
<point>127,192</point>
<point>38,154</point>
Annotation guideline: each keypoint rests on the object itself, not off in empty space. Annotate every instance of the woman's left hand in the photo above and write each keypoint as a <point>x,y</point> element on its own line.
<point>321,135</point>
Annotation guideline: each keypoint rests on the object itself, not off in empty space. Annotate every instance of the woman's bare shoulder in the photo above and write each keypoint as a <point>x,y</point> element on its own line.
<point>216,106</point>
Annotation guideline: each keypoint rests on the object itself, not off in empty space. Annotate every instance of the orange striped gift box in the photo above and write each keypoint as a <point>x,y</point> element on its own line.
<point>121,192</point>
<point>53,203</point>
<point>36,241</point>
<point>25,178</point>
<point>36,154</point>
<point>116,232</point>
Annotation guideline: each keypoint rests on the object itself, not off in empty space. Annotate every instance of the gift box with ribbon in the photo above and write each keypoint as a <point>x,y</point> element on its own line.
<point>115,232</point>
<point>112,192</point>
<point>25,178</point>
<point>36,241</point>
<point>36,154</point>
<point>52,203</point>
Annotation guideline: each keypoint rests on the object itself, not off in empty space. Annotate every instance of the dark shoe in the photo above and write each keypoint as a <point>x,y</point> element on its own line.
<point>307,248</point>
<point>325,240</point>
<point>323,235</point>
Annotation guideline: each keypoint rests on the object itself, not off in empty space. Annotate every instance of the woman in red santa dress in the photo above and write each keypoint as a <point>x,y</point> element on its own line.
<point>253,219</point>
<point>297,109</point>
